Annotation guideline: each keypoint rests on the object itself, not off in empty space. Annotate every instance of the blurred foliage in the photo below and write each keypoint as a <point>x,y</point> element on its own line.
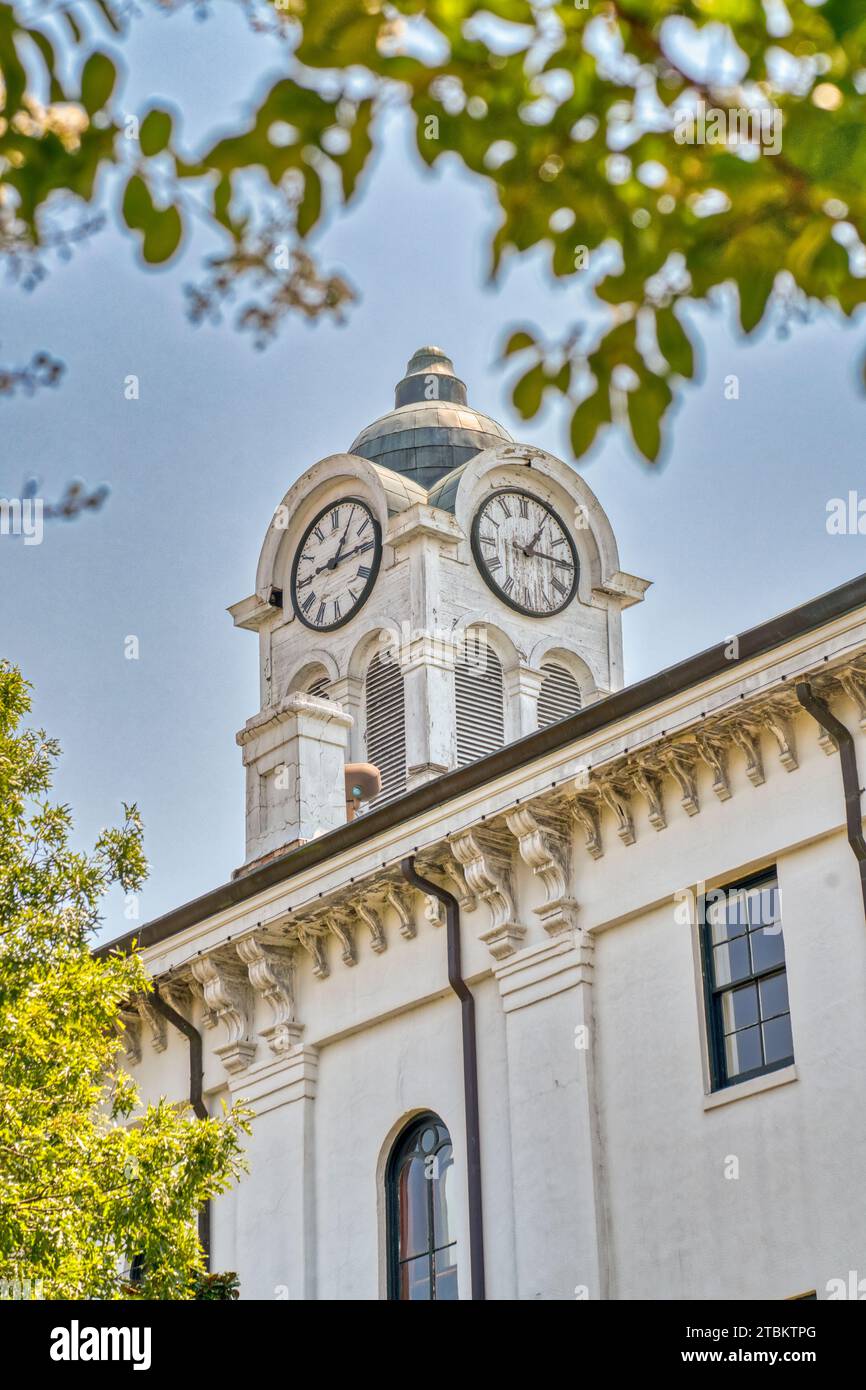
<point>571,112</point>
<point>89,1178</point>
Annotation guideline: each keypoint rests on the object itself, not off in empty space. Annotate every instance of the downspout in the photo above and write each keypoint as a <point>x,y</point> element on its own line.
<point>850,776</point>
<point>470,1070</point>
<point>196,1077</point>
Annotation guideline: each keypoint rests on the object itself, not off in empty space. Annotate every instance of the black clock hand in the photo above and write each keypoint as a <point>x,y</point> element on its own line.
<point>338,559</point>
<point>540,555</point>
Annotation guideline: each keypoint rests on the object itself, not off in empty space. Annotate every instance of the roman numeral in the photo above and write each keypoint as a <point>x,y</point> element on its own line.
<point>363,572</point>
<point>560,540</point>
<point>508,585</point>
<point>564,564</point>
<point>494,564</point>
<point>308,603</point>
<point>309,558</point>
<point>362,549</point>
<point>337,613</point>
<point>302,583</point>
<point>503,502</point>
<point>335,518</point>
<point>524,506</point>
<point>319,534</point>
<point>490,540</point>
<point>320,616</point>
<point>558,586</point>
<point>364,524</point>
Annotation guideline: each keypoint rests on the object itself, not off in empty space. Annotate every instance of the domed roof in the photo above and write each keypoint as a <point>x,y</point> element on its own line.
<point>432,429</point>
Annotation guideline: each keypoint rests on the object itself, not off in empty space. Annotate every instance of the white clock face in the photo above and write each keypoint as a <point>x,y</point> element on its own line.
<point>336,564</point>
<point>525,552</point>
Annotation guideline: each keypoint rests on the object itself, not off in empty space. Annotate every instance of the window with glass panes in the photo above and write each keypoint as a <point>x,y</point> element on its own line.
<point>422,1252</point>
<point>748,1018</point>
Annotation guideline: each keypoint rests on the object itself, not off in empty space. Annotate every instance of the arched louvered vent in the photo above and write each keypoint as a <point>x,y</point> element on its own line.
<point>479,699</point>
<point>559,695</point>
<point>320,687</point>
<point>386,725</point>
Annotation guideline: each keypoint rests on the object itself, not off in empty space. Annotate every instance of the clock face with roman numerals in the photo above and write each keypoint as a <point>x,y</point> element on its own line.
<point>336,564</point>
<point>525,552</point>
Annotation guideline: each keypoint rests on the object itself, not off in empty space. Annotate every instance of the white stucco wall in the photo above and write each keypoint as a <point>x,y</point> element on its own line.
<point>604,1169</point>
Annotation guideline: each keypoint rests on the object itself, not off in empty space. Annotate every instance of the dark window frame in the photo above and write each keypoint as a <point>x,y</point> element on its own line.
<point>400,1149</point>
<point>714,994</point>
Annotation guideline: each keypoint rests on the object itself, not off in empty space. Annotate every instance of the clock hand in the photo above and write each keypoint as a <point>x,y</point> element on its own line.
<point>528,549</point>
<point>540,555</point>
<point>336,558</point>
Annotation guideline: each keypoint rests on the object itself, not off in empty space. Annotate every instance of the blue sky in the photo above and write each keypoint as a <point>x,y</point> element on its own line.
<point>732,530</point>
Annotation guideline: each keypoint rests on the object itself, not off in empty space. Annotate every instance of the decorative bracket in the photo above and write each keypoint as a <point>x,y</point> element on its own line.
<point>227,996</point>
<point>371,918</point>
<point>546,847</point>
<point>781,728</point>
<point>682,768</point>
<point>650,787</point>
<point>401,902</point>
<point>154,1022</point>
<point>748,741</point>
<point>585,812</point>
<point>129,1030</point>
<point>486,861</point>
<point>618,802</point>
<point>342,928</point>
<point>712,751</point>
<point>271,974</point>
<point>313,942</point>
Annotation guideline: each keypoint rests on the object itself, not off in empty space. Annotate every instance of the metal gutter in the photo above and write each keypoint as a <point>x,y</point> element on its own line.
<point>850,776</point>
<point>196,1083</point>
<point>675,679</point>
<point>470,1070</point>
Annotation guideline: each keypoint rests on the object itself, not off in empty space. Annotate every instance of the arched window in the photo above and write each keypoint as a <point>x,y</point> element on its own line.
<point>422,1251</point>
<point>386,725</point>
<point>559,695</point>
<point>479,698</point>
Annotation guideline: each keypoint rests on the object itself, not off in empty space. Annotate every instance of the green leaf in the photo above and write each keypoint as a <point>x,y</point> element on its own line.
<point>529,390</point>
<point>97,82</point>
<point>310,208</point>
<point>162,236</point>
<point>155,132</point>
<point>755,287</point>
<point>518,342</point>
<point>674,343</point>
<point>137,203</point>
<point>587,419</point>
<point>646,407</point>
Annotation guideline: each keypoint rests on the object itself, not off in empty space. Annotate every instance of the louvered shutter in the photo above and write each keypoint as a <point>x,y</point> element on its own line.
<point>559,695</point>
<point>386,725</point>
<point>319,687</point>
<point>480,700</point>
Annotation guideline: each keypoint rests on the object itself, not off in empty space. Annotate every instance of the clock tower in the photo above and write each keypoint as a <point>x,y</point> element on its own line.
<point>426,597</point>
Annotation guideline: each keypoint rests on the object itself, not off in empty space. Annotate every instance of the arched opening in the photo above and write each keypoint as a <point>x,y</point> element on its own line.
<point>559,695</point>
<point>479,698</point>
<point>385,715</point>
<point>422,1250</point>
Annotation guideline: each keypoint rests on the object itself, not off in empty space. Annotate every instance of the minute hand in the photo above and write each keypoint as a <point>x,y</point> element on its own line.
<point>541,555</point>
<point>349,553</point>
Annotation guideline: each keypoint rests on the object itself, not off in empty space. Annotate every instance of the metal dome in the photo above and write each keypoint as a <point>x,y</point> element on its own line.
<point>432,429</point>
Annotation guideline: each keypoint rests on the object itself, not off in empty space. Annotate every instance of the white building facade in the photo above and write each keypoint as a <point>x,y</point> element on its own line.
<point>574,1008</point>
